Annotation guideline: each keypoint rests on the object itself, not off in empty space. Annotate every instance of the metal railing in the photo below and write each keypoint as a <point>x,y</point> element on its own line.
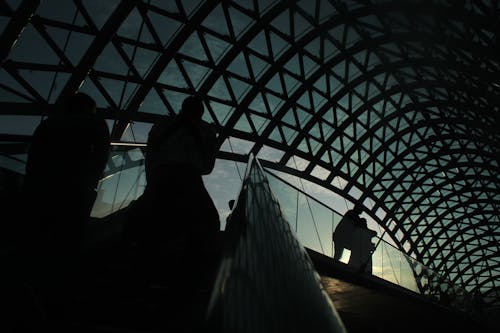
<point>314,223</point>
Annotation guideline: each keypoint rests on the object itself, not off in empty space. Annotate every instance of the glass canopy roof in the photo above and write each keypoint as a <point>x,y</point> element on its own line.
<point>394,104</point>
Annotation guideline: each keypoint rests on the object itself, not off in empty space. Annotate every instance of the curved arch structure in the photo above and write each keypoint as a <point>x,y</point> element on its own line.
<point>400,99</point>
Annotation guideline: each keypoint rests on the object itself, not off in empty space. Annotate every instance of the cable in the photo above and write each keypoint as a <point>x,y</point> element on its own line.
<point>392,266</point>
<point>333,230</point>
<point>133,133</point>
<point>236,164</point>
<point>310,209</point>
<point>340,187</point>
<point>297,214</point>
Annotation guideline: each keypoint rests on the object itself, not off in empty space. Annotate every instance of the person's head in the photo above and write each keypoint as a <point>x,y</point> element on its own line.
<point>80,103</point>
<point>192,108</point>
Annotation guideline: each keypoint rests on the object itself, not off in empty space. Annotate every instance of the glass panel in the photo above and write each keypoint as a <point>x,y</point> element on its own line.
<point>22,125</point>
<point>123,184</point>
<point>314,224</point>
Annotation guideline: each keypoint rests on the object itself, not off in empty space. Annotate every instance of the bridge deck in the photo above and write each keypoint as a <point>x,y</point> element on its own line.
<point>369,304</point>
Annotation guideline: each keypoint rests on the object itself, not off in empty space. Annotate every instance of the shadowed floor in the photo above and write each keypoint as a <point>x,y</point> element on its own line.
<point>369,304</point>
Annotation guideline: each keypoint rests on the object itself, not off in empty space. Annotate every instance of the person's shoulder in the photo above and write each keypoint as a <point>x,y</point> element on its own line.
<point>47,122</point>
<point>165,122</point>
<point>351,213</point>
<point>206,124</point>
<point>54,119</point>
<point>207,128</point>
<point>40,131</point>
<point>101,122</point>
<point>51,124</point>
<point>161,126</point>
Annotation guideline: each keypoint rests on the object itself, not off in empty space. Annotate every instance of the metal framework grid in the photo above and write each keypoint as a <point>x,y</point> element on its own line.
<point>394,104</point>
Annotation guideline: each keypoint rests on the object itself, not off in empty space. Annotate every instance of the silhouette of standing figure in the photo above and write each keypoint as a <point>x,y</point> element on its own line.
<point>174,223</point>
<point>352,233</point>
<point>180,150</point>
<point>343,237</point>
<point>364,246</point>
<point>66,160</point>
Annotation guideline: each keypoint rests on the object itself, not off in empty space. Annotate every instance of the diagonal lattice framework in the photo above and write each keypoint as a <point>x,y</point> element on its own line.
<point>398,100</point>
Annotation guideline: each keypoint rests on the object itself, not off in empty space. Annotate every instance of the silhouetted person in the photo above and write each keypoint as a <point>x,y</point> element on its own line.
<point>66,159</point>
<point>343,236</point>
<point>10,190</point>
<point>352,233</point>
<point>362,256</point>
<point>175,223</point>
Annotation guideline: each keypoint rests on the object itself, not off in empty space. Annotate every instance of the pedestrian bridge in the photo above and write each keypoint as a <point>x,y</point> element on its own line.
<point>273,277</point>
<point>265,271</point>
<point>277,274</point>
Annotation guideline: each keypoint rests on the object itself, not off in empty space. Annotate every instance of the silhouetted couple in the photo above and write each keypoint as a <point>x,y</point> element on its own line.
<point>353,234</point>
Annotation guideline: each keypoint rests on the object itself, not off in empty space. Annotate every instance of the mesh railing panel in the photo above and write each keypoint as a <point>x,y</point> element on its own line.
<point>267,282</point>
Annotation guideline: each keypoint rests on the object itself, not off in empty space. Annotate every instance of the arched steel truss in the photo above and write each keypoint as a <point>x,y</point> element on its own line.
<point>400,99</point>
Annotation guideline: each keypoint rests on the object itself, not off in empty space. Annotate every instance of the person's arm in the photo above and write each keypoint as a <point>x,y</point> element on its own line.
<point>206,138</point>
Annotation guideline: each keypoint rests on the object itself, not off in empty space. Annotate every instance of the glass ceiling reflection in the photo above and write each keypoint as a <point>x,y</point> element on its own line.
<point>392,104</point>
